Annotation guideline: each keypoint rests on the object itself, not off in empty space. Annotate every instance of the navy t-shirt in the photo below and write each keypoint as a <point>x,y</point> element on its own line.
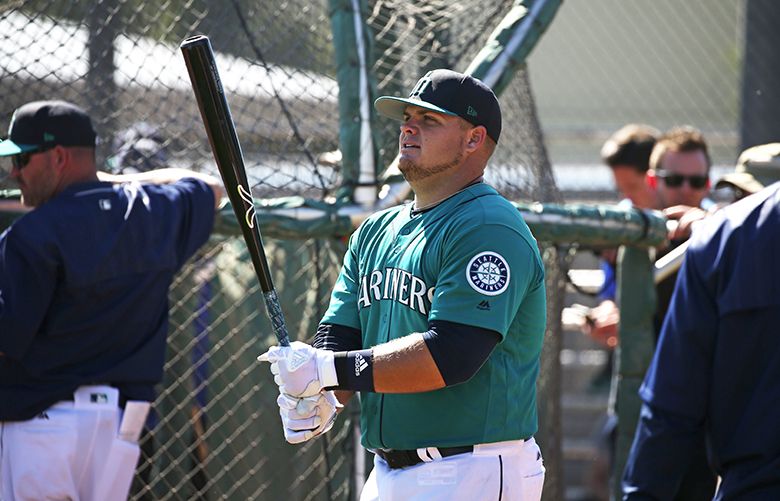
<point>84,289</point>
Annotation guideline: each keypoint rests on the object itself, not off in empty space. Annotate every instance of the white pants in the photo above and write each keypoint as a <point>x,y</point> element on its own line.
<point>68,452</point>
<point>506,471</point>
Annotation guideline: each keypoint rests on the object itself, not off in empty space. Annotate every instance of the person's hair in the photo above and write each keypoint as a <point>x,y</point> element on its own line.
<point>631,145</point>
<point>681,139</point>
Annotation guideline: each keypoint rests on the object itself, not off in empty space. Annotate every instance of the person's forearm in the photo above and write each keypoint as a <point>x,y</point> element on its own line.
<point>166,176</point>
<point>447,354</point>
<point>405,366</point>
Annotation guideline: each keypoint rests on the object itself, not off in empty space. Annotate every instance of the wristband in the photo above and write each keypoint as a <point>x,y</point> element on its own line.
<point>326,368</point>
<point>355,370</point>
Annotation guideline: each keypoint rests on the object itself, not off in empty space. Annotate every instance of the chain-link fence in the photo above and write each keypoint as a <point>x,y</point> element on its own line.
<point>605,63</point>
<point>120,60</point>
<point>215,432</point>
<point>414,37</point>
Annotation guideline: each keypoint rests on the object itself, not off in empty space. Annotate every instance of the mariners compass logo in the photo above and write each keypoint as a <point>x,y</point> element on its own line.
<point>488,273</point>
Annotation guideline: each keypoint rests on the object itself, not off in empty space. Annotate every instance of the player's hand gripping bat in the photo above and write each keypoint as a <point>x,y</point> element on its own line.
<point>199,58</point>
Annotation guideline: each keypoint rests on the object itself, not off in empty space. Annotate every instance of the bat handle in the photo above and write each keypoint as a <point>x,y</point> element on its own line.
<point>274,308</point>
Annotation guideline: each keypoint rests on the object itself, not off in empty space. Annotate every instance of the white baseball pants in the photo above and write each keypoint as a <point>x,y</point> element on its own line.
<point>506,471</point>
<point>71,451</point>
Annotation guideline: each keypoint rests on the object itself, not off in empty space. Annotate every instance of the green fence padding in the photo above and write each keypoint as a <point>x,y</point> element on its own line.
<point>289,217</point>
<point>299,218</point>
<point>594,225</point>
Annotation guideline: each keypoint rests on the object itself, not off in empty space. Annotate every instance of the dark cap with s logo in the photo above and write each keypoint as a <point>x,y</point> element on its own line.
<point>451,93</point>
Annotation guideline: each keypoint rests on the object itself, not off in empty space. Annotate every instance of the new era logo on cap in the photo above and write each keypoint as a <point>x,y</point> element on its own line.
<point>451,93</point>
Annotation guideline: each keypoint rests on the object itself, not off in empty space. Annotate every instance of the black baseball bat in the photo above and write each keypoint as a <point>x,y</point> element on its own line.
<point>215,112</point>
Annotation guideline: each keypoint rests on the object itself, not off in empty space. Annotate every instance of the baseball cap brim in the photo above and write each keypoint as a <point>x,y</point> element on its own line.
<point>394,107</point>
<point>9,148</point>
<point>741,180</point>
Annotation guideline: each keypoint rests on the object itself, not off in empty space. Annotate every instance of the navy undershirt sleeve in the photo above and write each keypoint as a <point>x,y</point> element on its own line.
<point>459,350</point>
<point>334,337</point>
<point>353,364</point>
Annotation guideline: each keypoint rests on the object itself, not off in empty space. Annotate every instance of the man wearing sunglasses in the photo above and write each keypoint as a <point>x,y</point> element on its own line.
<point>679,172</point>
<point>84,280</point>
<point>670,174</point>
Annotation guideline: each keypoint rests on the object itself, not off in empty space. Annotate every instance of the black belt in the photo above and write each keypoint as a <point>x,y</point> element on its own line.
<point>404,458</point>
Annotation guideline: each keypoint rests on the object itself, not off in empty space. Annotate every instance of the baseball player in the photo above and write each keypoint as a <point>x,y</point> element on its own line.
<point>84,282</point>
<point>437,318</point>
<point>714,375</point>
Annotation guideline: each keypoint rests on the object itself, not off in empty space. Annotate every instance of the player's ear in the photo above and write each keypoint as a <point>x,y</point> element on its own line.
<point>476,137</point>
<point>652,179</point>
<point>59,157</point>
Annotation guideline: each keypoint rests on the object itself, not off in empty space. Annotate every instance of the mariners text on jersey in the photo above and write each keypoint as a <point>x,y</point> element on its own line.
<point>396,285</point>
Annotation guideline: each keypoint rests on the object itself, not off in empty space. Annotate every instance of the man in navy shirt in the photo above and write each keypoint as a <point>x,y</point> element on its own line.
<point>716,369</point>
<point>84,282</point>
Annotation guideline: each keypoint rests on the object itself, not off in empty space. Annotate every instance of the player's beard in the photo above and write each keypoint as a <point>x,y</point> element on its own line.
<point>412,171</point>
<point>37,186</point>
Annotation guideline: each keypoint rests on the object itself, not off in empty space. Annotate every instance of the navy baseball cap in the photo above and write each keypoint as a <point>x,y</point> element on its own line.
<point>43,124</point>
<point>451,93</point>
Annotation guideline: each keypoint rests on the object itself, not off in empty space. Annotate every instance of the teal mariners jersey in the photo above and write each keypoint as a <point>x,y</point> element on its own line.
<point>470,260</point>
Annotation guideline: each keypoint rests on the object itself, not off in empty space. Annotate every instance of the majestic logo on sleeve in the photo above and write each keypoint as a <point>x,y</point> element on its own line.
<point>488,273</point>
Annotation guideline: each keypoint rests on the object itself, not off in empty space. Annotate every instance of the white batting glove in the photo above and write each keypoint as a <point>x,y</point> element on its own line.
<point>301,370</point>
<point>306,418</point>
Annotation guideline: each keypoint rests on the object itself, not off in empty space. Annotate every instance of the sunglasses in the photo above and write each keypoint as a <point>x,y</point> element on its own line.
<point>676,180</point>
<point>22,159</point>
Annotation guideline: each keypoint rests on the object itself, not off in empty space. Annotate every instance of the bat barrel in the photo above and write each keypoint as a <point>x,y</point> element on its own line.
<point>202,67</point>
<point>214,109</point>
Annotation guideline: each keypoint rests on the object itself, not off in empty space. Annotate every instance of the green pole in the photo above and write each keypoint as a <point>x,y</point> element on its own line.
<point>637,300</point>
<point>357,90</point>
<point>512,41</point>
